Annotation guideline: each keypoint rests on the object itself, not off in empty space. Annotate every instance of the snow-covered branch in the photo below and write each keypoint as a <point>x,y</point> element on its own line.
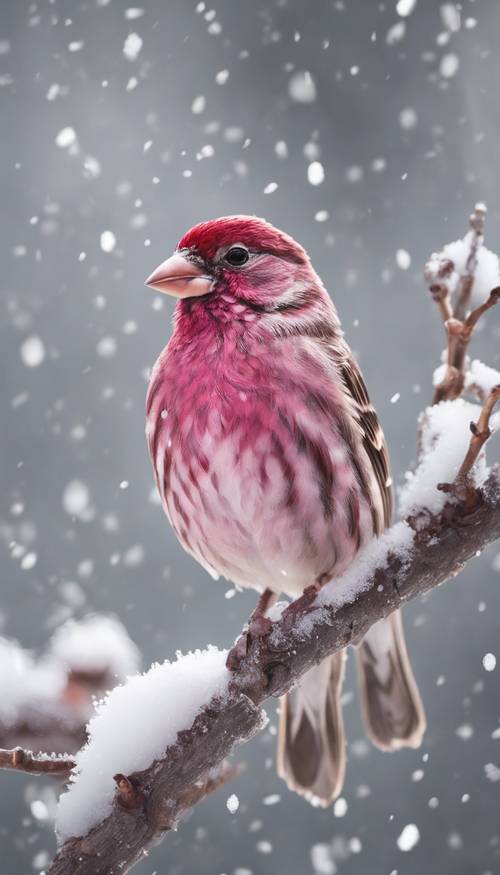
<point>45,704</point>
<point>462,276</point>
<point>408,561</point>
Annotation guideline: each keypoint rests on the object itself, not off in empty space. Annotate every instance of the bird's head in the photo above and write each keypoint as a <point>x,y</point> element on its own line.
<point>240,258</point>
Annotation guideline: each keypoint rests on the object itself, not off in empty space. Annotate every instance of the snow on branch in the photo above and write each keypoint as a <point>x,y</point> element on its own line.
<point>46,703</point>
<point>158,744</point>
<point>462,275</point>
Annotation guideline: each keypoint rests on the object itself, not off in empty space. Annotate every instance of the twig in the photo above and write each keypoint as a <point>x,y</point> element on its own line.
<point>476,222</point>
<point>438,286</point>
<point>459,329</point>
<point>475,315</point>
<point>20,760</point>
<point>480,433</point>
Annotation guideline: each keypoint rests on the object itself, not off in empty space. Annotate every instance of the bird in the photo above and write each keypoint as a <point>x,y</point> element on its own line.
<point>272,467</point>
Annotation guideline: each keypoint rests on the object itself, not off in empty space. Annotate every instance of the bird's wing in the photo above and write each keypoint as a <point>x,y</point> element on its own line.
<point>373,436</point>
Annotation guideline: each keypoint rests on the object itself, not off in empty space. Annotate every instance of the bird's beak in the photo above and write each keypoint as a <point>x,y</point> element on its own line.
<point>179,277</point>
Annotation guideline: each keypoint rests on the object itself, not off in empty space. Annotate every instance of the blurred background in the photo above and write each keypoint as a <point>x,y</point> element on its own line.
<point>366,130</point>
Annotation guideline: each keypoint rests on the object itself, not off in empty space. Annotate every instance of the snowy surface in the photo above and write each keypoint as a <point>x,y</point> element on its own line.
<point>25,683</point>
<point>445,439</point>
<point>483,376</point>
<point>133,726</point>
<point>487,273</point>
<point>345,589</point>
<point>96,644</point>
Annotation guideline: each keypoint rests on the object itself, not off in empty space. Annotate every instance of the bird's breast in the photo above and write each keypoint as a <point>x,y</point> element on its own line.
<point>254,476</point>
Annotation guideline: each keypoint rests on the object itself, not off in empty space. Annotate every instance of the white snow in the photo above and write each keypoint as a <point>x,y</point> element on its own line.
<point>450,16</point>
<point>53,91</point>
<point>487,273</point>
<point>445,439</point>
<point>233,803</point>
<point>134,12</point>
<point>272,799</point>
<point>281,149</point>
<point>489,661</point>
<point>76,498</point>
<point>322,859</point>
<point>25,683</point>
<point>106,347</point>
<point>403,259</point>
<point>132,727</point>
<point>95,644</point>
<point>395,33</point>
<point>108,241</point>
<point>449,65</point>
<point>315,173</point>
<point>409,838</point>
<point>345,589</point>
<point>198,105</point>
<point>132,46</point>
<point>66,138</point>
<point>29,561</point>
<point>464,732</point>
<point>354,173</point>
<point>492,772</point>
<point>483,376</point>
<point>340,807</point>
<point>302,87</point>
<point>405,7</point>
<point>32,352</point>
<point>408,118</point>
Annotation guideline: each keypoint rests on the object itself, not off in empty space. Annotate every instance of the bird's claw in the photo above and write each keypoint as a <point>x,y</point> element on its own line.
<point>259,627</point>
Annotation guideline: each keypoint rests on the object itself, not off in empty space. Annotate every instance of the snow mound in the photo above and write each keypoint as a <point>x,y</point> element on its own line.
<point>132,727</point>
<point>486,275</point>
<point>445,437</point>
<point>24,683</point>
<point>343,590</point>
<point>483,376</point>
<point>96,644</point>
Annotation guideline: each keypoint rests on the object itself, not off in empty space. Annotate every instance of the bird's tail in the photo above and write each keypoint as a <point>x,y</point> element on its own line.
<point>392,708</point>
<point>311,744</point>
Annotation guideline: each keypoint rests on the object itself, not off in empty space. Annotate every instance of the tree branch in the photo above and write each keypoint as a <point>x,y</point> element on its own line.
<point>273,663</point>
<point>459,329</point>
<point>20,760</point>
<point>476,223</point>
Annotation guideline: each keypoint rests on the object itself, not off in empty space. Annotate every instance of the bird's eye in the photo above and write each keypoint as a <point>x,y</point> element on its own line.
<point>237,256</point>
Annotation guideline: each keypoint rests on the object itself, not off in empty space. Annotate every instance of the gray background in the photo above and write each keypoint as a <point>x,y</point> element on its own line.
<point>434,173</point>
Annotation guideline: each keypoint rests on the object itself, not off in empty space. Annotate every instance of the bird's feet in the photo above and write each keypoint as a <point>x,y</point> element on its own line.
<point>258,627</point>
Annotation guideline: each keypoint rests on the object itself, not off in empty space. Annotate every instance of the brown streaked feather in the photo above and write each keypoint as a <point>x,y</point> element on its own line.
<point>373,436</point>
<point>392,708</point>
<point>311,743</point>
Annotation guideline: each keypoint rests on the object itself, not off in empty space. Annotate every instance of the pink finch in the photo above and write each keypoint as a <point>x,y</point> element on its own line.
<point>272,467</point>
